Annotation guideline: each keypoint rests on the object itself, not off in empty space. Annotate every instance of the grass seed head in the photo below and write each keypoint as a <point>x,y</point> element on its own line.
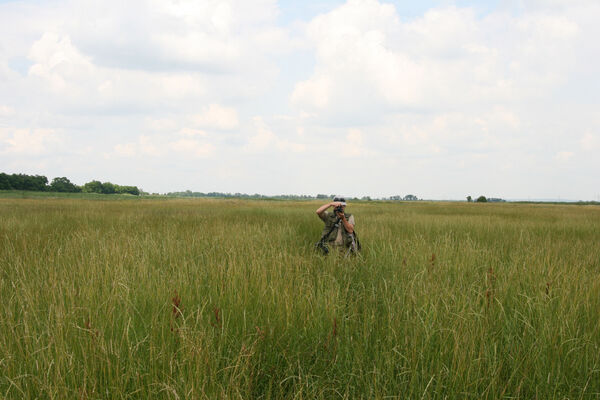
<point>217,314</point>
<point>334,331</point>
<point>260,333</point>
<point>176,305</point>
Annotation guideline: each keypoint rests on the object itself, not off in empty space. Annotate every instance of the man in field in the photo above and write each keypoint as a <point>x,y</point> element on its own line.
<point>338,232</point>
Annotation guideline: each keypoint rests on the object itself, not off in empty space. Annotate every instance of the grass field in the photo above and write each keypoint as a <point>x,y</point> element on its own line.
<point>181,299</point>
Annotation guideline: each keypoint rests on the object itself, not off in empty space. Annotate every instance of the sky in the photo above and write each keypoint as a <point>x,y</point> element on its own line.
<point>440,99</point>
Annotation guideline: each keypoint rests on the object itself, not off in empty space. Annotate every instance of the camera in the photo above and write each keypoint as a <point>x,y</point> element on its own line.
<point>338,209</point>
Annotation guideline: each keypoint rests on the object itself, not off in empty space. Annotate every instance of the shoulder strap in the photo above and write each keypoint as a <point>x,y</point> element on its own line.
<point>331,230</point>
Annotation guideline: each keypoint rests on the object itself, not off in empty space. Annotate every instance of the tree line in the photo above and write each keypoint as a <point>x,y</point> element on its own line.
<point>483,199</point>
<point>39,183</point>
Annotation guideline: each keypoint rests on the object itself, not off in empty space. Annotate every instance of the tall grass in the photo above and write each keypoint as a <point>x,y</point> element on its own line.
<point>227,299</point>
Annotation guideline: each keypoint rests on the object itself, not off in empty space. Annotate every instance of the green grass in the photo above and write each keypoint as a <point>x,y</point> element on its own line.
<point>448,300</point>
<point>25,194</point>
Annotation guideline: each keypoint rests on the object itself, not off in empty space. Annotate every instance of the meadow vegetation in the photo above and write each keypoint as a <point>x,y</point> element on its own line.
<point>209,298</point>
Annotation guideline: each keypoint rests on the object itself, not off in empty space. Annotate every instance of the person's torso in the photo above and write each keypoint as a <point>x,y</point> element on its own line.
<point>335,231</point>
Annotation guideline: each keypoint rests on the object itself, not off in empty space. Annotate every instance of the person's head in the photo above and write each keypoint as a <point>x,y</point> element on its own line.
<point>342,201</point>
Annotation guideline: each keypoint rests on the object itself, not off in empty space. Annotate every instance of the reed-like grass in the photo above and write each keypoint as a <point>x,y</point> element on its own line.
<point>227,299</point>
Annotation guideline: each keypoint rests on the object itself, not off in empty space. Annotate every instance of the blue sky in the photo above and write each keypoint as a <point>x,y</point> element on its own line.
<point>441,99</point>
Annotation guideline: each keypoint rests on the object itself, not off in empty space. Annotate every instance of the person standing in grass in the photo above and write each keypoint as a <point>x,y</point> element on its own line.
<point>338,232</point>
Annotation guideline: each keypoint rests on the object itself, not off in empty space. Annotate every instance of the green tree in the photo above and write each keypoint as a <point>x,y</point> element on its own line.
<point>93,187</point>
<point>469,199</point>
<point>5,182</point>
<point>28,182</point>
<point>130,190</point>
<point>134,190</point>
<point>481,199</point>
<point>108,188</point>
<point>63,184</point>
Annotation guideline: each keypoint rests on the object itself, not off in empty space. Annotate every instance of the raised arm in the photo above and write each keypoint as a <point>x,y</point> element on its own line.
<point>324,207</point>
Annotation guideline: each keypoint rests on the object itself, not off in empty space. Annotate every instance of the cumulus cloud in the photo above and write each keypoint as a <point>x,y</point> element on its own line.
<point>368,59</point>
<point>216,117</point>
<point>76,83</point>
<point>28,141</point>
<point>212,36</point>
<point>456,95</point>
<point>144,55</point>
<point>354,145</point>
<point>6,111</point>
<point>590,142</point>
<point>163,146</point>
<point>192,147</point>
<point>564,156</point>
<point>264,139</point>
<point>56,61</point>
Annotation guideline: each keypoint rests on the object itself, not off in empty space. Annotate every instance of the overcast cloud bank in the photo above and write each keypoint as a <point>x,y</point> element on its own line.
<point>237,96</point>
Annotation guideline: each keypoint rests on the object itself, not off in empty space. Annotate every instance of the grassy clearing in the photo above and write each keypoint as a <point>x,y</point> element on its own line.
<point>226,298</point>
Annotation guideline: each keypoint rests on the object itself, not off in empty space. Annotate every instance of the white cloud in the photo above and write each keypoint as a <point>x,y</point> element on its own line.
<point>192,147</point>
<point>146,145</point>
<point>126,149</point>
<point>216,116</point>
<point>28,141</point>
<point>164,146</point>
<point>57,61</point>
<point>354,144</point>
<point>192,132</point>
<point>564,156</point>
<point>162,124</point>
<point>73,81</point>
<point>264,139</point>
<point>370,61</point>
<point>6,111</point>
<point>590,142</point>
<point>468,99</point>
<point>151,146</point>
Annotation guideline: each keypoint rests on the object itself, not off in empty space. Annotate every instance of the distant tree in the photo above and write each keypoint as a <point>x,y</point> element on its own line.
<point>5,182</point>
<point>108,188</point>
<point>127,190</point>
<point>63,184</point>
<point>37,183</point>
<point>367,198</point>
<point>16,181</point>
<point>469,199</point>
<point>93,187</point>
<point>481,199</point>
<point>410,197</point>
<point>29,182</point>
